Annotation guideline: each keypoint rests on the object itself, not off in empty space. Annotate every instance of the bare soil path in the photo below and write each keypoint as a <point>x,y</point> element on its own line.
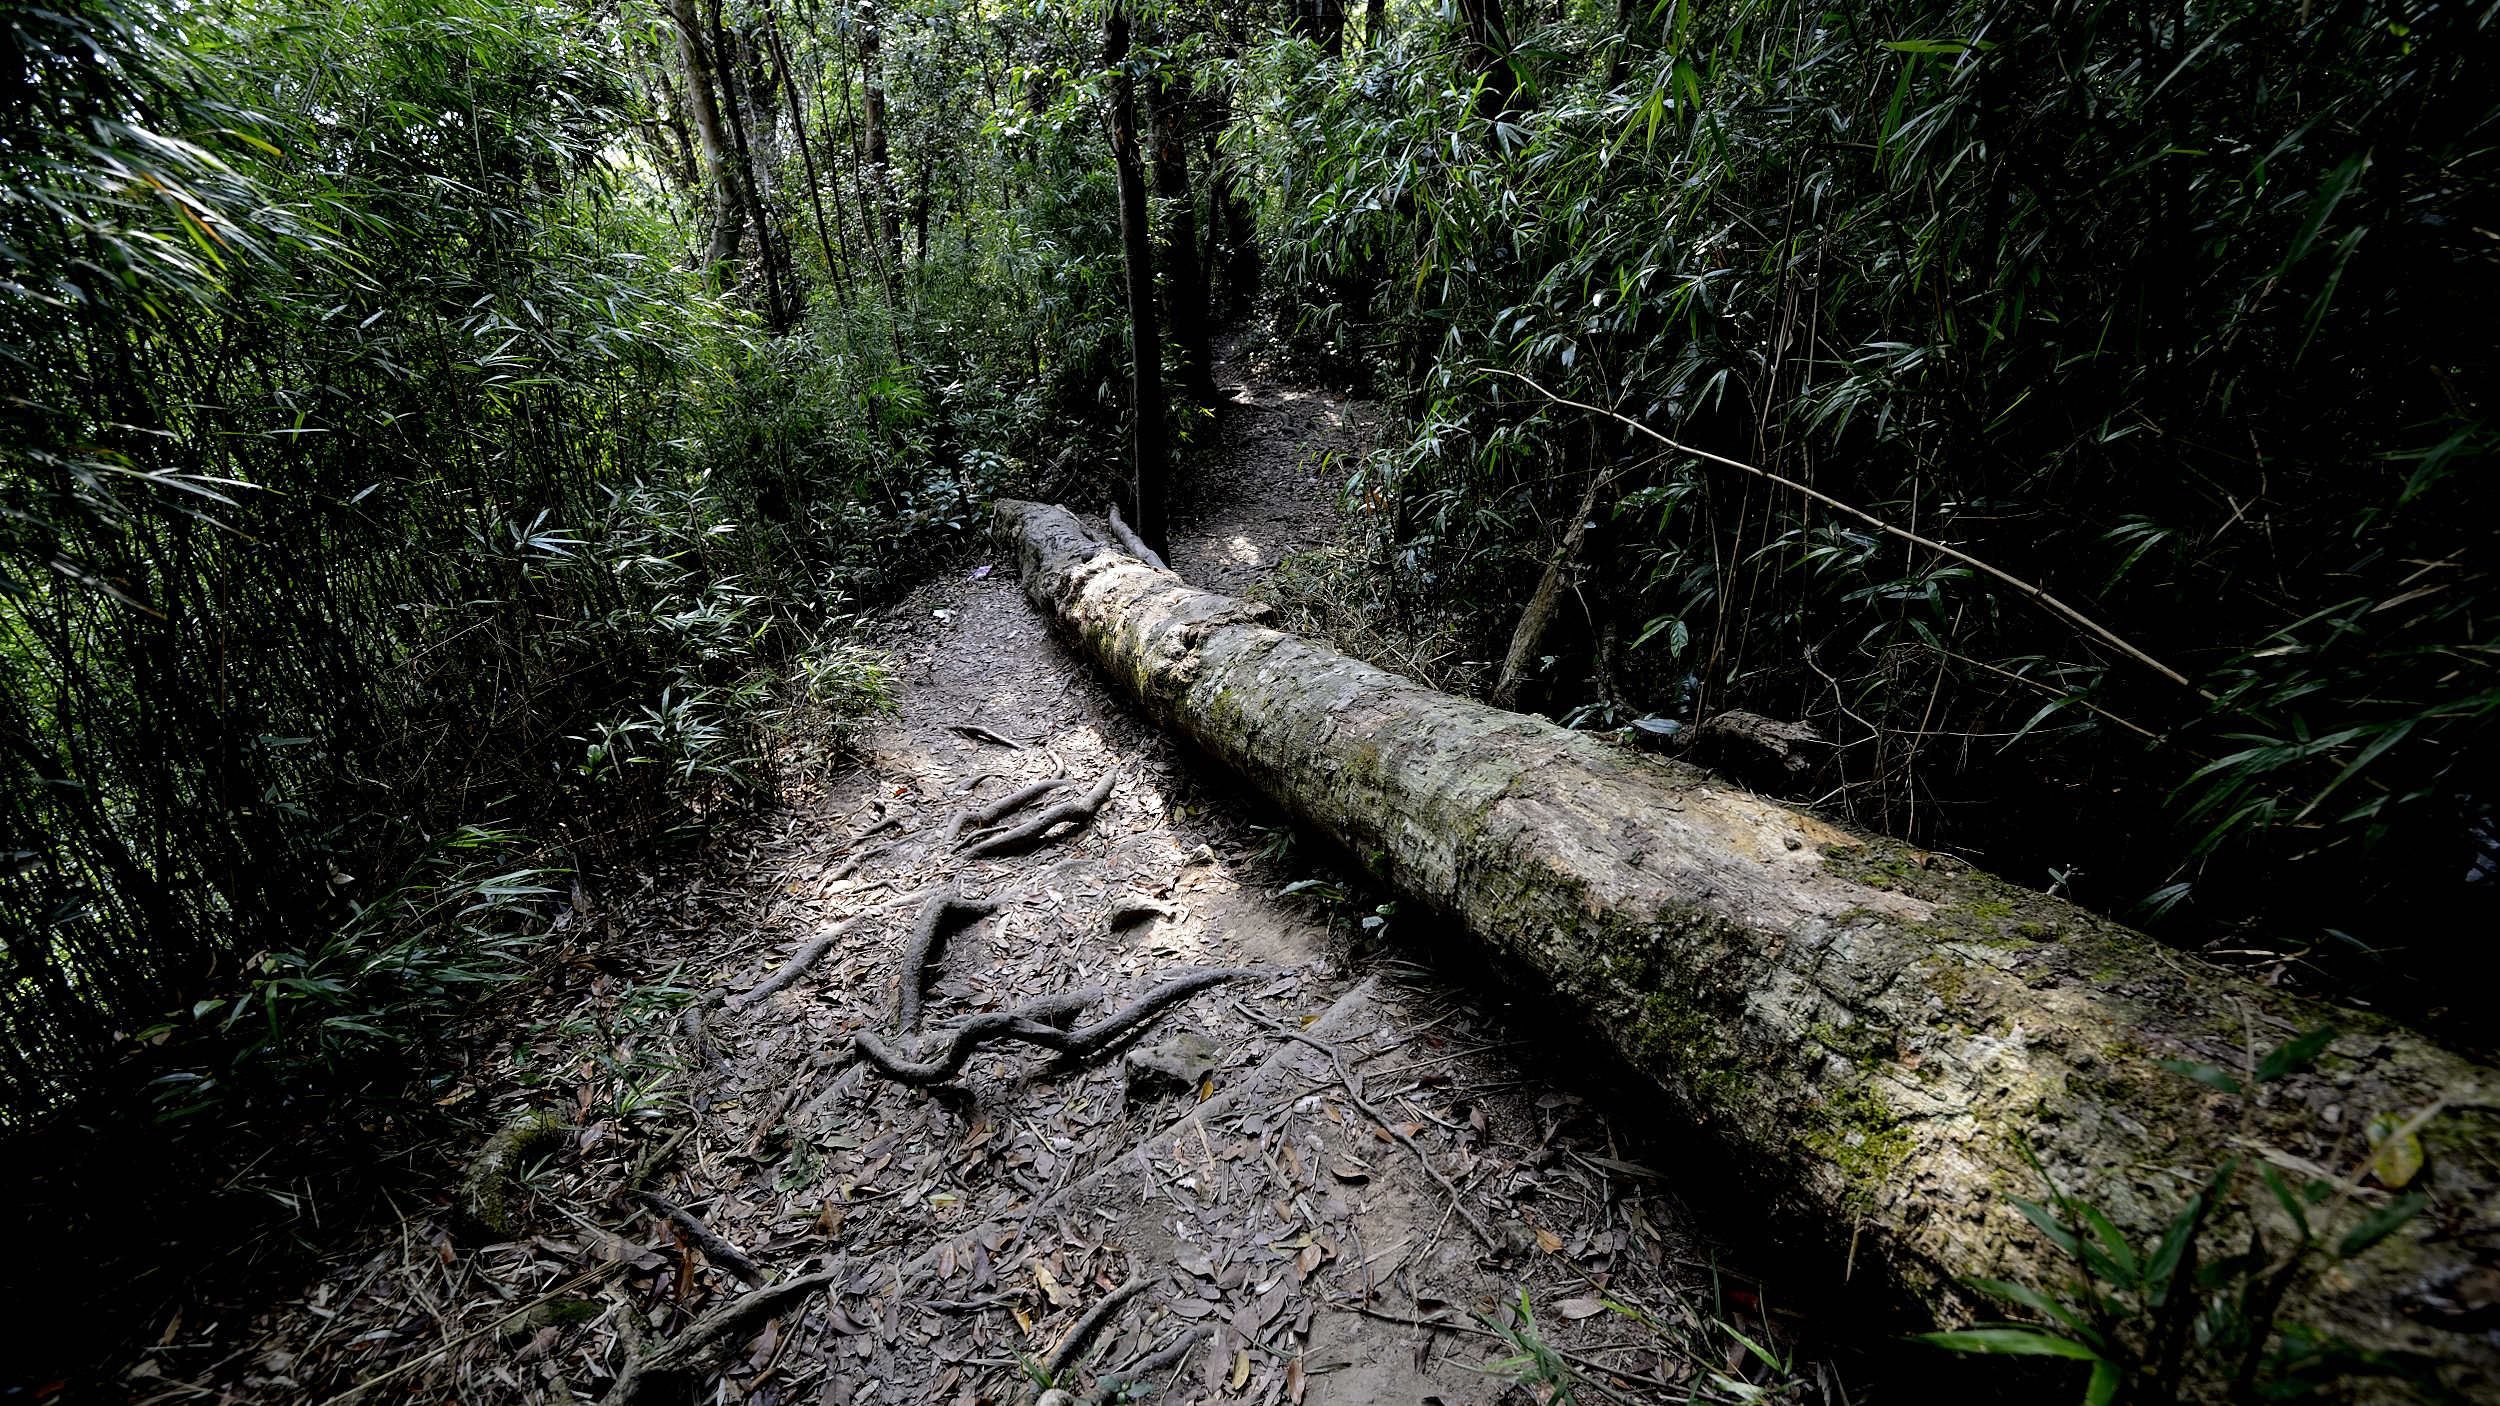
<point>1273,1160</point>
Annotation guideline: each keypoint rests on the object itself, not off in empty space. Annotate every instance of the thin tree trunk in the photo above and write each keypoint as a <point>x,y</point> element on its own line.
<point>1626,11</point>
<point>1147,486</point>
<point>1884,1045</point>
<point>836,272</point>
<point>880,175</point>
<point>778,312</point>
<point>1534,621</point>
<point>1375,20</point>
<point>1490,34</point>
<point>703,103</point>
<point>1185,302</point>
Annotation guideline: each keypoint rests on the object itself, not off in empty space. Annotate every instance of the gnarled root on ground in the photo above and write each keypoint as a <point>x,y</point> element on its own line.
<point>1029,1023</point>
<point>1007,805</point>
<point>486,1188</point>
<point>1030,833</point>
<point>925,936</point>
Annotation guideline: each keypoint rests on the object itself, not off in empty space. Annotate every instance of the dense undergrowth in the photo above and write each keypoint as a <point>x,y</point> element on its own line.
<point>2172,314</point>
<point>402,526</point>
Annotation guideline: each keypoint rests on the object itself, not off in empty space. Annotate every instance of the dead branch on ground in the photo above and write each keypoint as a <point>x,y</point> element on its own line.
<point>714,1248</point>
<point>692,1354</point>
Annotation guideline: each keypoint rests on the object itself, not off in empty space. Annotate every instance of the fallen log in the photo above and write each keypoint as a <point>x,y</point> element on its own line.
<point>1891,1037</point>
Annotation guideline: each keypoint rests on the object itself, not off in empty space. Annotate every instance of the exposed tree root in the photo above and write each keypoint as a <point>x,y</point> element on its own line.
<point>696,1352</point>
<point>714,1248</point>
<point>698,1031</point>
<point>1072,1346</point>
<point>808,955</point>
<point>1354,1093</point>
<point>924,943</point>
<point>979,733</point>
<point>1030,833</point>
<point>1028,1023</point>
<point>486,1188</point>
<point>1006,805</point>
<point>1154,1364</point>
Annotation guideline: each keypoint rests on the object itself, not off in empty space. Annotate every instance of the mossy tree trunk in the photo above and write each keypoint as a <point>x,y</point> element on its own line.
<point>1883,1030</point>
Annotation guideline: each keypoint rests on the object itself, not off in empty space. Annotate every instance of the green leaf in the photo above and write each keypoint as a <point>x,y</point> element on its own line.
<point>2121,1254</point>
<point>2174,1242</point>
<point>2058,1234</point>
<point>2382,1223</point>
<point>2103,1388</point>
<point>2007,1341</point>
<point>2291,1203</point>
<point>2294,1053</point>
<point>2201,1073</point>
<point>2032,1298</point>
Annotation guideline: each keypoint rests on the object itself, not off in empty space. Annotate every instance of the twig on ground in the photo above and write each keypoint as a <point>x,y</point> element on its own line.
<point>578,1281</point>
<point>1354,1091</point>
<point>714,1248</point>
<point>1027,1024</point>
<point>652,1159</point>
<point>683,1355</point>
<point>1566,1354</point>
<point>1128,538</point>
<point>1030,833</point>
<point>925,935</point>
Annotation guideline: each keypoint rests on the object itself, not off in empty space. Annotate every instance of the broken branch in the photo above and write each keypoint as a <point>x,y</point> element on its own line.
<point>1136,545</point>
<point>681,1356</point>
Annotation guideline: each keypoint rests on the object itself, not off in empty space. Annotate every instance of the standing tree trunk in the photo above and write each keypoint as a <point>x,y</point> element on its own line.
<point>1147,486</point>
<point>1185,296</point>
<point>889,222</point>
<point>778,313</point>
<point>1375,20</point>
<point>836,272</point>
<point>1490,33</point>
<point>1534,621</point>
<point>719,169</point>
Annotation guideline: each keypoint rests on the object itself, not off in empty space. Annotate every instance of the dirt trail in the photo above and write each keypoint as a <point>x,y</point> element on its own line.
<point>1301,1253</point>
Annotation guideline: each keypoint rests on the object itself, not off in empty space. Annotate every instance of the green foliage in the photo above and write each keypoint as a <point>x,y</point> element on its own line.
<point>2171,1320</point>
<point>1534,1365</point>
<point>2164,315</point>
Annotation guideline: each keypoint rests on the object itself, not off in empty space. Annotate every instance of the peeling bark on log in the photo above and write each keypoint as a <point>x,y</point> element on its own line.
<point>1879,1029</point>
